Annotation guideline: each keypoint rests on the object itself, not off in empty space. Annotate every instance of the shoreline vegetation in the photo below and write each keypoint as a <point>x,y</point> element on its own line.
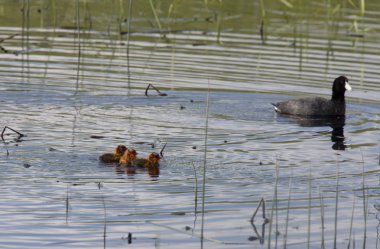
<point>120,31</point>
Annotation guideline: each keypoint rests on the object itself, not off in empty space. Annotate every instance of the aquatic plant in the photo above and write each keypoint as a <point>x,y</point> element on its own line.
<point>205,163</point>
<point>154,10</point>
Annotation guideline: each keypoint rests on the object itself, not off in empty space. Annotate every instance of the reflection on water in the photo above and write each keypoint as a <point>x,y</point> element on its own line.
<point>337,134</point>
<point>130,171</point>
<point>336,123</point>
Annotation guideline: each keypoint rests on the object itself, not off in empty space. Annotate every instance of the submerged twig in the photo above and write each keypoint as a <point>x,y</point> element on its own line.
<point>155,88</point>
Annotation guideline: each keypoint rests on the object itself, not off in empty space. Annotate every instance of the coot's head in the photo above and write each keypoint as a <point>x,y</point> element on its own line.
<point>132,153</point>
<point>339,87</point>
<point>154,158</point>
<point>120,149</point>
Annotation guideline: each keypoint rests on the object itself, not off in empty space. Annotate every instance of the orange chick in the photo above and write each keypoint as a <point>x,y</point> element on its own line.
<point>152,161</point>
<point>115,156</point>
<point>127,158</point>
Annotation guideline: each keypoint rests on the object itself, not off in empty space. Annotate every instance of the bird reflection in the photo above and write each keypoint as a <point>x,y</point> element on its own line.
<point>131,171</point>
<point>335,122</point>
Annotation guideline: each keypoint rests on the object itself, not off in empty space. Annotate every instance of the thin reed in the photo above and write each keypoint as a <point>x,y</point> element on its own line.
<point>205,164</point>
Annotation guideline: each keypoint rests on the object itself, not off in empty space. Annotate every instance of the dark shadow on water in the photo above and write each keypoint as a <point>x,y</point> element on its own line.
<point>131,171</point>
<point>336,123</point>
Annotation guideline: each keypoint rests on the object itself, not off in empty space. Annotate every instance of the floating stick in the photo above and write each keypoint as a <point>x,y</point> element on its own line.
<point>155,88</point>
<point>6,127</point>
<point>162,150</point>
<point>8,38</point>
<point>2,136</point>
<point>261,203</point>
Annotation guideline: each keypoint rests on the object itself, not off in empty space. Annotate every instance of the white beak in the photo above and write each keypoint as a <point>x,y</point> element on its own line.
<point>347,86</point>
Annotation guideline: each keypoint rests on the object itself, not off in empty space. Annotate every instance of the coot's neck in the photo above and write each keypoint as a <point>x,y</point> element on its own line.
<point>337,97</point>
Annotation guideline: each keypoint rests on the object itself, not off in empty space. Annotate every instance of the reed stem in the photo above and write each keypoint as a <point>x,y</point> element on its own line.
<point>365,208</point>
<point>155,15</point>
<point>288,211</point>
<point>274,199</point>
<point>336,206</point>
<point>78,41</point>
<point>309,212</point>
<point>204,164</point>
<point>128,44</point>
<point>322,204</point>
<point>352,221</point>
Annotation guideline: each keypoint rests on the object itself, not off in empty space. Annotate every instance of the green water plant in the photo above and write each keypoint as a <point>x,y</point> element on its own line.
<point>104,223</point>
<point>154,10</point>
<point>365,208</point>
<point>262,21</point>
<point>128,43</point>
<point>336,205</point>
<point>322,205</point>
<point>274,200</point>
<point>309,211</point>
<point>205,163</point>
<point>351,223</point>
<point>78,43</point>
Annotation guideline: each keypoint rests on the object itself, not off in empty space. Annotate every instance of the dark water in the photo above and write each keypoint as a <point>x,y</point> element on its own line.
<point>76,95</point>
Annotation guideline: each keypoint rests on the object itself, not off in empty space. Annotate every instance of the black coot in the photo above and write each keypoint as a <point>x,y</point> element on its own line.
<point>317,106</point>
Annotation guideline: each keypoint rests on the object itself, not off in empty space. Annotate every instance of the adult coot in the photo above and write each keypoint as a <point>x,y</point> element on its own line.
<point>317,106</point>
